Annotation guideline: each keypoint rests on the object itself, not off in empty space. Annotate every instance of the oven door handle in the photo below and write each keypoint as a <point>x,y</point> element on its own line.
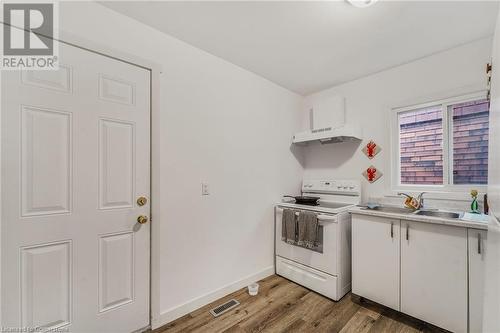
<point>327,218</point>
<point>322,218</point>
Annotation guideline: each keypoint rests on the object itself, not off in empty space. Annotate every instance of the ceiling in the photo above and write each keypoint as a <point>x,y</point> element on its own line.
<point>309,46</point>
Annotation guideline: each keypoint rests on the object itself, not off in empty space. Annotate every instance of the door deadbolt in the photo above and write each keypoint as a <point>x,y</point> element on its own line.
<point>142,219</point>
<point>141,201</point>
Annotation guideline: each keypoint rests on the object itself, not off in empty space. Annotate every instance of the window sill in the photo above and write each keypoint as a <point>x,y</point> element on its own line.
<point>456,194</point>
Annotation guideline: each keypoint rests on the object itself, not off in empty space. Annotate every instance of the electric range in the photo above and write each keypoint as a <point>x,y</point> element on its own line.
<point>326,268</point>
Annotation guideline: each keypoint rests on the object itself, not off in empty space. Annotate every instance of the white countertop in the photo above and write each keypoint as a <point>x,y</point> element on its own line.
<point>420,218</point>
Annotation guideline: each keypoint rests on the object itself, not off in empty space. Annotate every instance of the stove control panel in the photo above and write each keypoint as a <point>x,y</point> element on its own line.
<point>345,187</point>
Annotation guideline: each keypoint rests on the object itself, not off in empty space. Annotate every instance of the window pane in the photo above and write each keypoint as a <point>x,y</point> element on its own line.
<point>421,146</point>
<point>470,142</point>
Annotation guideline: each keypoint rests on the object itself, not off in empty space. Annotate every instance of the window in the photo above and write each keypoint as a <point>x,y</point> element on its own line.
<point>470,142</point>
<point>421,146</point>
<point>443,143</point>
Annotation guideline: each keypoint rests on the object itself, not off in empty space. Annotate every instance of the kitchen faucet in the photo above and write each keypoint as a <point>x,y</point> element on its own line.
<point>420,200</point>
<point>414,203</point>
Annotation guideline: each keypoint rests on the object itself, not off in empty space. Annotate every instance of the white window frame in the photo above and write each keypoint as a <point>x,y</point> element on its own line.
<point>447,187</point>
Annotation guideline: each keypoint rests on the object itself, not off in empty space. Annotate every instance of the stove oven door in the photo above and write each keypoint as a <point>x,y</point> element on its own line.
<point>325,256</point>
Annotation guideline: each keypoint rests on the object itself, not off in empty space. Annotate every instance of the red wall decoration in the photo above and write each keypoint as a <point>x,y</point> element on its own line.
<point>372,174</point>
<point>371,149</point>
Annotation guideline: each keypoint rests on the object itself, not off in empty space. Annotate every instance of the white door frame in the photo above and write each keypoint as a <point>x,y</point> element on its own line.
<point>155,70</point>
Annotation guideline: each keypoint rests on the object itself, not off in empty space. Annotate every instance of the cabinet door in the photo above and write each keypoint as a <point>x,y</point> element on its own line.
<point>477,252</point>
<point>375,259</point>
<point>434,274</point>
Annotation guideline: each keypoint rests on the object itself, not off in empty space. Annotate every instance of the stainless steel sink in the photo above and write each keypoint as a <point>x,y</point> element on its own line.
<point>388,209</point>
<point>435,213</point>
<point>407,211</point>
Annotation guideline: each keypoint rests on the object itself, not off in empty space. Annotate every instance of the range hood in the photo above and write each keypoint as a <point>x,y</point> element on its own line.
<point>329,135</point>
<point>327,123</point>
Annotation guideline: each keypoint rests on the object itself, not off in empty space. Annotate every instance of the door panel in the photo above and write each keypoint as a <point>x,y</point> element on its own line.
<point>60,80</point>
<point>375,259</point>
<point>117,164</point>
<point>116,90</point>
<point>116,270</point>
<point>434,274</point>
<point>46,161</point>
<point>46,274</point>
<point>75,157</point>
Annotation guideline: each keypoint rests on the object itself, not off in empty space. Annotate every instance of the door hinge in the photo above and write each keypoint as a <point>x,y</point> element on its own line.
<point>489,68</point>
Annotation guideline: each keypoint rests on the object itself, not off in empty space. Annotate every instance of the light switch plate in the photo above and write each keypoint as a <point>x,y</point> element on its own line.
<point>204,189</point>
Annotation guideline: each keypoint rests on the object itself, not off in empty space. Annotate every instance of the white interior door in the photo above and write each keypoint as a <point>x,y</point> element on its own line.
<point>75,158</point>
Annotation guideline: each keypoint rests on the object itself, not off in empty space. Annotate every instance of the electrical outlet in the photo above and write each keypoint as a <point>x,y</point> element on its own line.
<point>204,189</point>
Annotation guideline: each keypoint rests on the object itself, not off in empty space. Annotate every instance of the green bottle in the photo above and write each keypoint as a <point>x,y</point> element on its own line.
<point>474,206</point>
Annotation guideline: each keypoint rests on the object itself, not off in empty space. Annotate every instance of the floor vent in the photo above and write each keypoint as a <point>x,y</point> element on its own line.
<point>223,308</point>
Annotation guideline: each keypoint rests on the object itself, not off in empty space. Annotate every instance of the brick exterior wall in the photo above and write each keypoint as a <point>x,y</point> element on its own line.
<point>421,139</point>
<point>470,142</point>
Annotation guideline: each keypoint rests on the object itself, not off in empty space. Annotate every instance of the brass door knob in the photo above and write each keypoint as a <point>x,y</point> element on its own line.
<point>142,219</point>
<point>141,201</point>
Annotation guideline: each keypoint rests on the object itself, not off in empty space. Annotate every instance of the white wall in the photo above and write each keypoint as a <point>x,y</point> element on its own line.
<point>219,124</point>
<point>370,99</point>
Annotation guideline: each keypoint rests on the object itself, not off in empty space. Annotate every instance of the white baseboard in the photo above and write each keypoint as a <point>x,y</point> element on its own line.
<point>176,312</point>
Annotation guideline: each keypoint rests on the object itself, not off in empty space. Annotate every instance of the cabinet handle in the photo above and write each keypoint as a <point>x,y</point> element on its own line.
<point>407,232</point>
<point>392,229</point>
<point>479,243</point>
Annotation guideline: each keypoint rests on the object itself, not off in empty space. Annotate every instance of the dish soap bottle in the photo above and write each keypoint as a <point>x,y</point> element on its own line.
<point>474,206</point>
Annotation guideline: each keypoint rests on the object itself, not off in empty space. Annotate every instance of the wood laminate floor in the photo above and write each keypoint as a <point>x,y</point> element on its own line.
<point>283,306</point>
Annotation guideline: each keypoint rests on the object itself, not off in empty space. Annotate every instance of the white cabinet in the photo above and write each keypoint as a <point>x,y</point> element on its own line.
<point>434,274</point>
<point>429,271</point>
<point>477,252</point>
<point>375,259</point>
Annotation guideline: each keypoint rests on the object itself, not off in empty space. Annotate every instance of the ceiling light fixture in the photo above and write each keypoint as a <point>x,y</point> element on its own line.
<point>361,3</point>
